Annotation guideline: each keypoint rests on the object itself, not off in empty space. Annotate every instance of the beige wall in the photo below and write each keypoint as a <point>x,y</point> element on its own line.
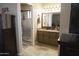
<point>36,10</point>
<point>65,18</point>
<point>25,6</point>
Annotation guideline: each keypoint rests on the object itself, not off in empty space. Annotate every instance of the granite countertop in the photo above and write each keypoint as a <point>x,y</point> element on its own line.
<point>47,30</point>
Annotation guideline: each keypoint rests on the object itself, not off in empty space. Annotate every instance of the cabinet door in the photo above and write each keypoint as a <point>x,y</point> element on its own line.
<point>39,36</point>
<point>46,37</point>
<point>53,38</point>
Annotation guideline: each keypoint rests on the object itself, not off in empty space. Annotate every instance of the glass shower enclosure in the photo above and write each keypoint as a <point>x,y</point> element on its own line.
<point>26,27</point>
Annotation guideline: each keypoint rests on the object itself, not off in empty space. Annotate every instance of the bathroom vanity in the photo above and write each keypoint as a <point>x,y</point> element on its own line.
<point>49,31</point>
<point>48,37</point>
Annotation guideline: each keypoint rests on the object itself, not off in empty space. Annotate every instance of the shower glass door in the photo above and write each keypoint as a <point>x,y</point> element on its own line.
<point>26,27</point>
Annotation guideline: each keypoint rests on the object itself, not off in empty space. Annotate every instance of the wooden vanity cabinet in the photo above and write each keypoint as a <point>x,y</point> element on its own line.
<point>46,37</point>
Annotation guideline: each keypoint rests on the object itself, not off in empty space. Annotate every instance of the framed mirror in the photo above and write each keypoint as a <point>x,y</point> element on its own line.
<point>50,20</point>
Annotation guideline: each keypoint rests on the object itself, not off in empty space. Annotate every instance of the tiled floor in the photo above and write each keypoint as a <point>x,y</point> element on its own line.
<point>40,51</point>
<point>26,41</point>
